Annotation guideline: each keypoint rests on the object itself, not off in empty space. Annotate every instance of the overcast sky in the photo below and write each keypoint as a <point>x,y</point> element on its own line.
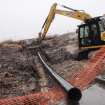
<point>24,18</point>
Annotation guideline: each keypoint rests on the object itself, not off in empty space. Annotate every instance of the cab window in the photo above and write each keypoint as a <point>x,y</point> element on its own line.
<point>101,26</point>
<point>81,32</point>
<point>86,31</point>
<point>94,29</point>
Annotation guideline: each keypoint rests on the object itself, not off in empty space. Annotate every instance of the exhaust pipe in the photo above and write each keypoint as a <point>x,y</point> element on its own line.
<point>73,93</point>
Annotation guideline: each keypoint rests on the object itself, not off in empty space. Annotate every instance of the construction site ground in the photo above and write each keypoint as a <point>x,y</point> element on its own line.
<point>21,72</point>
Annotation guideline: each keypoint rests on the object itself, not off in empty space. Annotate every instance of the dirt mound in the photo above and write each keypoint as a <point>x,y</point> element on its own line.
<point>20,70</point>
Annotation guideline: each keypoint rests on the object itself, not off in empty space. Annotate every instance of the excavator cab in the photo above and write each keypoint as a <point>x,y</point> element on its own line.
<point>92,33</point>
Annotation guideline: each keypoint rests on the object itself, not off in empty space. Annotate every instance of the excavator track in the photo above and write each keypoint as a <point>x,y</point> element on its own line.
<point>80,79</point>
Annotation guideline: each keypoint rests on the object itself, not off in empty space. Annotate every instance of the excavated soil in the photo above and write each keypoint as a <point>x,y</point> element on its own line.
<point>20,70</point>
<point>17,76</point>
<point>19,67</point>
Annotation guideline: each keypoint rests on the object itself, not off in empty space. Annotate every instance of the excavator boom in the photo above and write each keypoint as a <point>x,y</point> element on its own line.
<point>72,13</point>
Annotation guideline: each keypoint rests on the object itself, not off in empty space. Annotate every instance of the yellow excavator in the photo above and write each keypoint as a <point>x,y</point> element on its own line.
<point>91,33</point>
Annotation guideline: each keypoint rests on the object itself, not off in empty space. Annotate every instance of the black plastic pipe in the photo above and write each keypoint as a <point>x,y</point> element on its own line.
<point>73,93</point>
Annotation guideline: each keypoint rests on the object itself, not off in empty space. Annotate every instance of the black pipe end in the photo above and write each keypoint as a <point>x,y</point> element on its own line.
<point>74,94</point>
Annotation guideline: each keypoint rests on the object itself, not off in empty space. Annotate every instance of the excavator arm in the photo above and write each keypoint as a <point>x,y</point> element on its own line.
<point>72,13</point>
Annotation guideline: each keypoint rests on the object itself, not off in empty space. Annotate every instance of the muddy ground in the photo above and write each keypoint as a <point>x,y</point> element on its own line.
<point>20,70</point>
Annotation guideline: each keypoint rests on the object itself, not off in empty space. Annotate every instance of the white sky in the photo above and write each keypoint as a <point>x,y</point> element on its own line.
<point>24,18</point>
